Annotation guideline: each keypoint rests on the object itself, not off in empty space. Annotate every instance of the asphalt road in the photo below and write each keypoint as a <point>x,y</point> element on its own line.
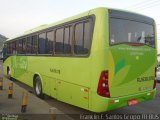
<point>142,108</point>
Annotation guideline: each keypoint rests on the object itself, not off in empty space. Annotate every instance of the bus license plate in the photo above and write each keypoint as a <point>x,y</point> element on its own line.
<point>132,102</point>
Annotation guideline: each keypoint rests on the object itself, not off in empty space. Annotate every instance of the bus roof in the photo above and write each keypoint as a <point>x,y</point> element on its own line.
<point>46,26</point>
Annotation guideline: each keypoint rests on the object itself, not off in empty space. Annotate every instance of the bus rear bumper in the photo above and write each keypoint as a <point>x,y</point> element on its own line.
<point>102,104</point>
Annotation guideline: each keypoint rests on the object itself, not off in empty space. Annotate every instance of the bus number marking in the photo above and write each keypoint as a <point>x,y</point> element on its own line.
<point>55,71</point>
<point>143,79</point>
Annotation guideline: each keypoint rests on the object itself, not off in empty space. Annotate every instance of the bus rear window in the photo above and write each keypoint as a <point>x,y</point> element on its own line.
<point>128,31</point>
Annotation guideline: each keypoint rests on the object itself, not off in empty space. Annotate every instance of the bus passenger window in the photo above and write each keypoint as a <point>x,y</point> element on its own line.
<point>59,41</point>
<point>34,44</point>
<point>82,38</point>
<point>24,45</point>
<point>13,48</point>
<point>20,44</point>
<point>17,46</point>
<point>42,43</point>
<point>79,39</point>
<point>50,42</point>
<point>9,49</point>
<point>87,37</point>
<point>67,40</point>
<point>28,45</point>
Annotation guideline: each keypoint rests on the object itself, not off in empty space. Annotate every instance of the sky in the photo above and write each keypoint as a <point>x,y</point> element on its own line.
<point>18,16</point>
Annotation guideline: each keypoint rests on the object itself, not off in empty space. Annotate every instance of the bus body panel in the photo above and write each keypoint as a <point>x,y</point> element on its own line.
<point>102,104</point>
<point>58,81</point>
<point>133,69</point>
<point>99,51</point>
<point>73,94</point>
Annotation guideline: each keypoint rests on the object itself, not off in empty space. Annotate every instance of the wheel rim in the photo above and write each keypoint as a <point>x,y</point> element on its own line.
<point>38,87</point>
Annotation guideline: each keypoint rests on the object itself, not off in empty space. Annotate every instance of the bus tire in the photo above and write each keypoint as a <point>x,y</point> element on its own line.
<point>38,87</point>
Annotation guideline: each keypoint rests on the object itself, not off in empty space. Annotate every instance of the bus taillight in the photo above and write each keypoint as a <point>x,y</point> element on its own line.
<point>103,86</point>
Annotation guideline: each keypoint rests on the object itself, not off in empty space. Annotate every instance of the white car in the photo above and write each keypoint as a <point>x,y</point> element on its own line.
<point>158,74</point>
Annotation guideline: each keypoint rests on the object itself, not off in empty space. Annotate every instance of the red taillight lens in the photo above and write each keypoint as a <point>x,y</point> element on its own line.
<point>103,86</point>
<point>155,81</point>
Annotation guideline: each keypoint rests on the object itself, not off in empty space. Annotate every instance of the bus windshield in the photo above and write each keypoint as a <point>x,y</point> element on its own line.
<point>129,31</point>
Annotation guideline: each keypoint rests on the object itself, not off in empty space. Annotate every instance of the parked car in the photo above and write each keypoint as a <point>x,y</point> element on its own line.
<point>158,74</point>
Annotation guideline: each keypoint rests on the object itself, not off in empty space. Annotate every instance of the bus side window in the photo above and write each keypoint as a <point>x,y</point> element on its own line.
<point>13,48</point>
<point>24,46</point>
<point>42,43</point>
<point>87,36</point>
<point>67,40</point>
<point>34,44</point>
<point>20,44</point>
<point>50,42</point>
<point>9,48</point>
<point>59,41</point>
<point>28,45</point>
<point>78,47</point>
<point>17,46</point>
<point>82,38</point>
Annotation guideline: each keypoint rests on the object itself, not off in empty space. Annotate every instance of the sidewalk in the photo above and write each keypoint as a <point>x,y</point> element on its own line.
<point>37,109</point>
<point>35,105</point>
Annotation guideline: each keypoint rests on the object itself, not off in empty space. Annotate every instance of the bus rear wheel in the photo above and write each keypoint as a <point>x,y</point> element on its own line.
<point>38,87</point>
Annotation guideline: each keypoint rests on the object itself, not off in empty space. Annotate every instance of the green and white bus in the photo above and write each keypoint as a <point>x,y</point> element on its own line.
<point>99,60</point>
